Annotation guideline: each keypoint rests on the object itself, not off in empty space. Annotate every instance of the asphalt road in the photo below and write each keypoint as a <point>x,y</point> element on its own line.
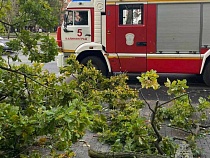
<point>51,67</point>
<point>196,89</point>
<point>195,83</point>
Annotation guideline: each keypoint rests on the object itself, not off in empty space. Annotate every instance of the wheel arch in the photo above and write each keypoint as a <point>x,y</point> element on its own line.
<point>206,59</point>
<point>205,69</point>
<point>98,53</point>
<point>87,53</point>
<point>206,62</point>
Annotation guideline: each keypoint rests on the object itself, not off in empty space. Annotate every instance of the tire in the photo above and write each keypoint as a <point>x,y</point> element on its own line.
<point>97,63</point>
<point>206,74</point>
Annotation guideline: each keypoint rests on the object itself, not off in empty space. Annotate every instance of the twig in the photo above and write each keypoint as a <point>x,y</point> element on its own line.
<point>22,151</point>
<point>204,126</point>
<point>146,101</point>
<point>177,138</point>
<point>180,129</point>
<point>175,98</point>
<point>21,73</point>
<point>85,143</point>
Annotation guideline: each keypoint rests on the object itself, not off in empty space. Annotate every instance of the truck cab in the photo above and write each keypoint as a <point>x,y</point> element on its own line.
<point>81,34</point>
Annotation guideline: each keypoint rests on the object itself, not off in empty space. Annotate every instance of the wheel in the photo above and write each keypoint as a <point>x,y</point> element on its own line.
<point>206,74</point>
<point>97,63</point>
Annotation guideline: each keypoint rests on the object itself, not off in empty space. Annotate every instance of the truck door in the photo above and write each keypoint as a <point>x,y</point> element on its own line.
<point>131,37</point>
<point>78,29</point>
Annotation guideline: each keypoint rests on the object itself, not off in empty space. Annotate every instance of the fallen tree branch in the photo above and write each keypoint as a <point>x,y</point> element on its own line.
<point>154,126</point>
<point>21,73</point>
<point>98,154</point>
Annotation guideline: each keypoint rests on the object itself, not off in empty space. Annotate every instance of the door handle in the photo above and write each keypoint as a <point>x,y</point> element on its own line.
<point>141,43</point>
<point>87,34</point>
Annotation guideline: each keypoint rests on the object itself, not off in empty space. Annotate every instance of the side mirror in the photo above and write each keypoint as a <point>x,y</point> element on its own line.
<point>65,20</point>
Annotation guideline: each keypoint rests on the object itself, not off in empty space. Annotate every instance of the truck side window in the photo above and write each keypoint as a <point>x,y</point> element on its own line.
<point>80,17</point>
<point>131,14</point>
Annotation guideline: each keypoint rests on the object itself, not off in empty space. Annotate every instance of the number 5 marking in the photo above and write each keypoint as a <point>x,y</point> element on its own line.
<point>79,32</point>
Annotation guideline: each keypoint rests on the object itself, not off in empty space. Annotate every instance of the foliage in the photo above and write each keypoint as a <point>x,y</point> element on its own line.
<point>56,6</point>
<point>35,13</point>
<point>126,130</point>
<point>183,114</point>
<point>149,80</point>
<point>33,104</point>
<point>180,111</point>
<point>18,15</point>
<point>40,109</point>
<point>37,107</point>
<point>28,43</point>
<point>181,108</point>
<point>38,46</point>
<point>5,6</point>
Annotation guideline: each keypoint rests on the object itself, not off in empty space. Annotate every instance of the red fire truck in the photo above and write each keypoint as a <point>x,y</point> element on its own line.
<point>133,36</point>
